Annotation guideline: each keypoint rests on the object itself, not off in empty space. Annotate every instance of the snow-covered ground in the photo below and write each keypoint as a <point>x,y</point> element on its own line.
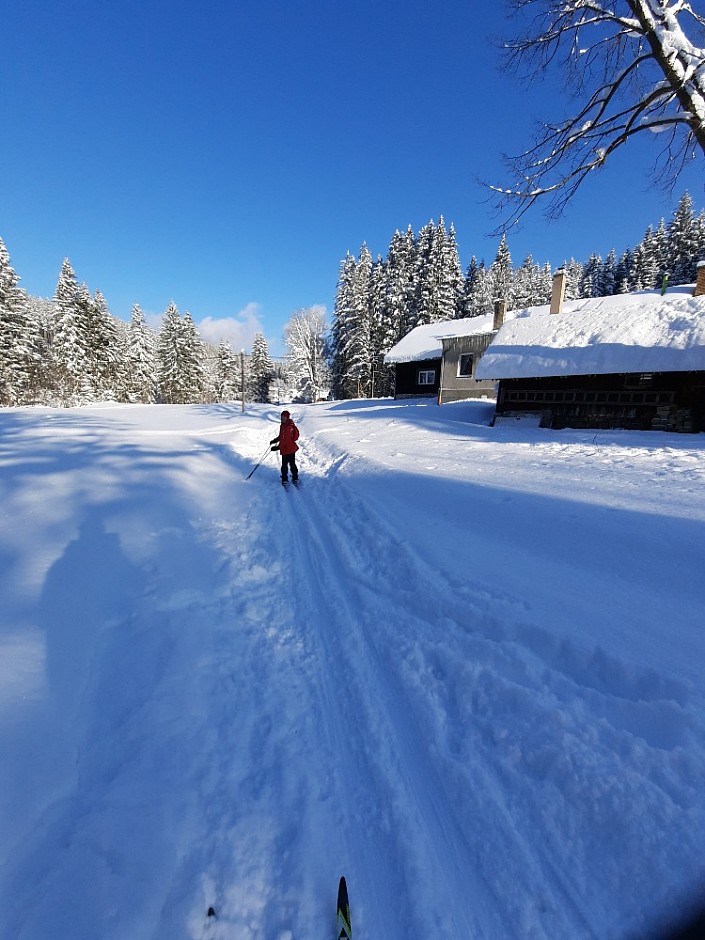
<point>461,665</point>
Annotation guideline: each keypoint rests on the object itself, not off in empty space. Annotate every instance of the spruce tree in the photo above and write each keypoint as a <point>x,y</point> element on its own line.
<point>608,275</point>
<point>227,374</point>
<point>17,349</point>
<point>590,280</point>
<point>574,276</point>
<point>622,274</point>
<point>70,340</point>
<point>398,287</point>
<point>105,350</point>
<point>193,361</point>
<point>261,370</point>
<point>502,272</point>
<point>170,358</point>
<point>425,292</point>
<point>683,243</point>
<point>140,365</point>
<point>344,314</point>
<point>482,295</point>
<point>358,339</point>
<point>453,273</point>
<point>469,282</point>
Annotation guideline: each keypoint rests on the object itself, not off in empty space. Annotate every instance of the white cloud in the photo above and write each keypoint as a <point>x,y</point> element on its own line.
<point>239,330</point>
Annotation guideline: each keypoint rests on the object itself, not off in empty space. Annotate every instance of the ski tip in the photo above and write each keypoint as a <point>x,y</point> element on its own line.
<point>211,912</point>
<point>344,928</point>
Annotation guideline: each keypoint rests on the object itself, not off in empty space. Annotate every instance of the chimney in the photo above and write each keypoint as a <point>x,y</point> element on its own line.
<point>558,291</point>
<point>700,284</point>
<point>500,310</point>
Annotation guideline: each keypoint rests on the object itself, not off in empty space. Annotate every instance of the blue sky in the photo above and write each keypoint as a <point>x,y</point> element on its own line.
<point>226,155</point>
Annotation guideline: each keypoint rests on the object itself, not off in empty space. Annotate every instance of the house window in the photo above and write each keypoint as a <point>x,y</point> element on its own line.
<point>639,380</point>
<point>427,377</point>
<point>465,365</point>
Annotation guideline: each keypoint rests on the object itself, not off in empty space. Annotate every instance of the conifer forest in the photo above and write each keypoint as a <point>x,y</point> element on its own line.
<point>70,349</point>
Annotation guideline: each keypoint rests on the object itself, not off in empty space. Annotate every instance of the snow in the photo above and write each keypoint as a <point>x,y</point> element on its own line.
<point>425,342</point>
<point>640,332</point>
<point>461,665</point>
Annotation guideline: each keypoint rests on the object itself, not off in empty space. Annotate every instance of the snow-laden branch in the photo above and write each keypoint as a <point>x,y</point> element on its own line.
<point>635,69</point>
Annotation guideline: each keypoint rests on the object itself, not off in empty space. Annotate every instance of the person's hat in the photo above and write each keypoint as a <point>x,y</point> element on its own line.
<point>285,414</point>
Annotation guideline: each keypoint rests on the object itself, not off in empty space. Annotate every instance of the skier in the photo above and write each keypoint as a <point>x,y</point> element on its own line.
<point>285,443</point>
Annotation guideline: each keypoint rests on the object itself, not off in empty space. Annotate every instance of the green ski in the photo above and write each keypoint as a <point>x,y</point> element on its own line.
<point>343,930</point>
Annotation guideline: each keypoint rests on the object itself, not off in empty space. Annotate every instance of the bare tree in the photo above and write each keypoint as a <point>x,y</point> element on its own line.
<point>632,69</point>
<point>304,336</point>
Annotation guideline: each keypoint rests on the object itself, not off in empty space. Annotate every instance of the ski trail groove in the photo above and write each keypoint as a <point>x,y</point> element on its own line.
<point>388,744</point>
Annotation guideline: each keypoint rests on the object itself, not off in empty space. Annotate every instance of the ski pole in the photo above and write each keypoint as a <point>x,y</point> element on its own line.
<point>258,463</point>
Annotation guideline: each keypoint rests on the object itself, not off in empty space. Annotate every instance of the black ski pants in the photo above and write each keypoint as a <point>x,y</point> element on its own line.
<point>289,463</point>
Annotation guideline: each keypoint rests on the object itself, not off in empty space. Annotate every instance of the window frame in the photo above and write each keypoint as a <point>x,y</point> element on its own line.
<point>465,375</point>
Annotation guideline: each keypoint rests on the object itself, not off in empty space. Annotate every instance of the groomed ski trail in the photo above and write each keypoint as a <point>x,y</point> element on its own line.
<point>379,607</point>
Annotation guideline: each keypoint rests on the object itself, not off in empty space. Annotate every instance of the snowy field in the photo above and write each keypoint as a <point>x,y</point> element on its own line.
<point>462,665</point>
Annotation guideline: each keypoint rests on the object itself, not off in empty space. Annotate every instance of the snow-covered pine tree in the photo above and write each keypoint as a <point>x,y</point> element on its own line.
<point>647,263</point>
<point>437,274</point>
<point>469,282</point>
<point>446,273</point>
<point>659,247</point>
<point>106,351</point>
<point>41,316</point>
<point>529,286</point>
<point>545,285</point>
<point>502,271</point>
<point>261,370</point>
<point>140,356</point>
<point>683,243</point>
<point>454,272</point>
<point>700,237</point>
<point>481,296</point>
<point>357,348</point>
<point>70,340</point>
<point>342,327</point>
<point>622,274</point>
<point>590,280</point>
<point>227,373</point>
<point>574,276</point>
<point>608,275</point>
<point>380,376</point>
<point>399,287</point>
<point>193,364</point>
<point>638,275</point>
<point>425,293</point>
<point>17,349</point>
<point>170,378</point>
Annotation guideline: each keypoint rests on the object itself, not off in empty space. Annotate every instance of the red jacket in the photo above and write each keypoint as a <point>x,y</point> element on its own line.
<point>287,437</point>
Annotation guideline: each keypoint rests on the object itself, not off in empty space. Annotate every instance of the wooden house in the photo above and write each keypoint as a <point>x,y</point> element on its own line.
<point>440,360</point>
<point>628,361</point>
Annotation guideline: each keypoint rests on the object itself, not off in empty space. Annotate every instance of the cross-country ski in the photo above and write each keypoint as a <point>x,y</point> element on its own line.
<point>343,927</point>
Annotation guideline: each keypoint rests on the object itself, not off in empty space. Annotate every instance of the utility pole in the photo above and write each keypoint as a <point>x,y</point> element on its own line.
<point>242,377</point>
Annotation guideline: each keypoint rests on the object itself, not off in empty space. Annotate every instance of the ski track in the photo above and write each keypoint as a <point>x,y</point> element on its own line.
<point>361,713</point>
<point>350,673</point>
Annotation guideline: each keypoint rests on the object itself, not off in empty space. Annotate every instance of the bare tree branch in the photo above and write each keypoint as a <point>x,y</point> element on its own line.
<point>631,68</point>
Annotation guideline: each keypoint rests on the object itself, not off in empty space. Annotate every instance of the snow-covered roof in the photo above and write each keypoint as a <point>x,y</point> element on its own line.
<point>425,342</point>
<point>639,332</point>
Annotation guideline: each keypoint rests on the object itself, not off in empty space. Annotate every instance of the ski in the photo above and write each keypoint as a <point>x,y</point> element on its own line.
<point>343,929</point>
